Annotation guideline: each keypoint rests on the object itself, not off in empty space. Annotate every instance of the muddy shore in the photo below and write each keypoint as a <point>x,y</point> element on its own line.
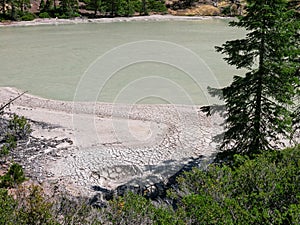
<point>80,146</point>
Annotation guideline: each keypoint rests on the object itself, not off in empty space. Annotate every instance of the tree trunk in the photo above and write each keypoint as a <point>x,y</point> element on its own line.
<point>144,10</point>
<point>258,108</point>
<point>3,7</point>
<point>128,8</point>
<point>96,8</point>
<point>113,5</point>
<point>13,11</point>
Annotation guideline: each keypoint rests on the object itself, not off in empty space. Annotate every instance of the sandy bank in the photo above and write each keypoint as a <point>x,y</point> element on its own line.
<point>113,144</point>
<point>54,21</point>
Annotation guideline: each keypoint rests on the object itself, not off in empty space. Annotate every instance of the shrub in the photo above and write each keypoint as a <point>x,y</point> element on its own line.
<point>130,209</point>
<point>33,207</point>
<point>64,16</point>
<point>28,16</point>
<point>14,176</point>
<point>76,211</point>
<point>44,15</point>
<point>19,126</point>
<point>4,150</point>
<point>8,205</point>
<point>256,191</point>
<point>226,10</point>
<point>156,6</point>
<point>262,190</point>
<point>10,144</point>
<point>29,207</point>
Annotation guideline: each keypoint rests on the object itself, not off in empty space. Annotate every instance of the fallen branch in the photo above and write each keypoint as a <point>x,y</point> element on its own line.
<point>10,101</point>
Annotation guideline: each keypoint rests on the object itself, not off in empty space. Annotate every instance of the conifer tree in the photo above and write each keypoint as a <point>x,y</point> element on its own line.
<point>42,6</point>
<point>259,105</point>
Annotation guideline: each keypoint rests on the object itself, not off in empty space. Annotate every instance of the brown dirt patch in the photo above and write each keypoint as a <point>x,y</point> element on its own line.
<point>203,10</point>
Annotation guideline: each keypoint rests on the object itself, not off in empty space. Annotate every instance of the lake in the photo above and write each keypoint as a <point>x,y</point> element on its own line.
<point>129,62</point>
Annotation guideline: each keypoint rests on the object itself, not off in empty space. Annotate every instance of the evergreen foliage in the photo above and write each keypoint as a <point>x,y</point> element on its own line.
<point>8,205</point>
<point>125,7</point>
<point>258,105</point>
<point>15,9</point>
<point>29,207</point>
<point>19,127</point>
<point>68,8</point>
<point>264,190</point>
<point>14,176</point>
<point>44,15</point>
<point>42,6</point>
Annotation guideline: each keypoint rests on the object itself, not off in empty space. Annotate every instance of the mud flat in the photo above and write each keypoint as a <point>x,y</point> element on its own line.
<point>105,145</point>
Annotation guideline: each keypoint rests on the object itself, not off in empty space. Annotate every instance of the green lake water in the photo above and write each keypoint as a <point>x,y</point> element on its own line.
<point>101,61</point>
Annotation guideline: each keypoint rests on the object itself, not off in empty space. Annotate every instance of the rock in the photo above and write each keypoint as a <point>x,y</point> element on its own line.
<point>96,201</point>
<point>105,193</point>
<point>123,189</point>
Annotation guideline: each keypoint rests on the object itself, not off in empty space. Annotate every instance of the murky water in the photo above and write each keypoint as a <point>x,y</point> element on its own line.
<point>50,61</point>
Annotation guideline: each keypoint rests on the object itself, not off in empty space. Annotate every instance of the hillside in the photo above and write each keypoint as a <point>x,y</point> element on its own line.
<point>64,9</point>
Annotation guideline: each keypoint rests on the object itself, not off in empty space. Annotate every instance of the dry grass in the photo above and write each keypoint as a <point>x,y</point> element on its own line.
<point>203,10</point>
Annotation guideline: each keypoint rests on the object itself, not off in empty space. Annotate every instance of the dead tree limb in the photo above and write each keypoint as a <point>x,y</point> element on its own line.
<point>10,101</point>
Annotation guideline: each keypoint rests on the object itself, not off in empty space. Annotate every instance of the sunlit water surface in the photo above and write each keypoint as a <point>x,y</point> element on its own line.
<point>50,60</point>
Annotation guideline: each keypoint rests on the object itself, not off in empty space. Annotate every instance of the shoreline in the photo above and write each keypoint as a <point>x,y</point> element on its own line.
<point>107,145</point>
<point>151,18</point>
<point>86,147</point>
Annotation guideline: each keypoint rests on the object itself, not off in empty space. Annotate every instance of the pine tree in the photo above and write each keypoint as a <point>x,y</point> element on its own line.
<point>96,6</point>
<point>259,105</point>
<point>48,5</point>
<point>42,6</point>
<point>69,7</point>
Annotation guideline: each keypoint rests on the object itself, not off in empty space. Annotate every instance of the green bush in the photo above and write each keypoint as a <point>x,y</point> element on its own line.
<point>253,191</point>
<point>10,144</point>
<point>156,6</point>
<point>76,212</point>
<point>44,15</point>
<point>29,207</point>
<point>262,190</point>
<point>33,207</point>
<point>130,209</point>
<point>28,16</point>
<point>125,8</point>
<point>226,11</point>
<point>14,176</point>
<point>8,205</point>
<point>19,126</point>
<point>4,150</point>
